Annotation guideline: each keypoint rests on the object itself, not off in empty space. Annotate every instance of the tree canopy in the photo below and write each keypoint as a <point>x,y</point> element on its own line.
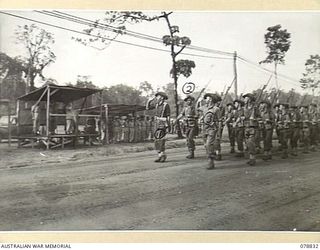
<point>311,77</point>
<point>277,43</point>
<point>37,43</point>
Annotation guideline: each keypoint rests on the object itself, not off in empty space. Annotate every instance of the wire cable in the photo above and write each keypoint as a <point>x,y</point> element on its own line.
<point>255,66</point>
<point>114,40</point>
<point>80,20</point>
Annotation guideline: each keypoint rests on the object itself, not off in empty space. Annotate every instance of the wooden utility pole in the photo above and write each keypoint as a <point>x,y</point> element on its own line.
<point>48,117</point>
<point>106,129</point>
<point>235,74</point>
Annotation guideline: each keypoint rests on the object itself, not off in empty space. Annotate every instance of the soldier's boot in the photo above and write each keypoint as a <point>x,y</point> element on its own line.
<point>232,151</point>
<point>240,154</point>
<point>313,148</point>
<point>159,157</point>
<point>218,156</point>
<point>265,156</point>
<point>191,154</point>
<point>252,160</point>
<point>163,157</point>
<point>284,154</point>
<point>210,163</point>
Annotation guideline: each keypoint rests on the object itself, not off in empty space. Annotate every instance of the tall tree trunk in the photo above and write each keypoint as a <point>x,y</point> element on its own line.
<point>175,78</point>
<point>174,75</point>
<point>31,82</point>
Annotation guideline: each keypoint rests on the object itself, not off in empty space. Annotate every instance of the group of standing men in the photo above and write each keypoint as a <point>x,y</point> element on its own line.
<point>249,120</point>
<point>131,128</point>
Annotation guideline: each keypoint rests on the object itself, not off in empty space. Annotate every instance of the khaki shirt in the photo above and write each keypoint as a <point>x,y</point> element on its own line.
<point>211,118</point>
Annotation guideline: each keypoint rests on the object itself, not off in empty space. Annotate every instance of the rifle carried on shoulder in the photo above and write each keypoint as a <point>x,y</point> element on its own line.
<point>275,97</point>
<point>202,90</point>
<point>257,101</point>
<point>224,94</point>
<point>221,122</point>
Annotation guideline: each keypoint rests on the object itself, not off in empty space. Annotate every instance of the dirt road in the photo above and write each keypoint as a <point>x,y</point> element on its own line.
<point>131,192</point>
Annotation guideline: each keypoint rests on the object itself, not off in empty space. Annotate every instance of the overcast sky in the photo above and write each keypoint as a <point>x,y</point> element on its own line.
<point>226,31</point>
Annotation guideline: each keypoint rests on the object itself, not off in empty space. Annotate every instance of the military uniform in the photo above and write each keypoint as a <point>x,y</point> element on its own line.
<point>238,126</point>
<point>218,155</point>
<point>283,123</point>
<point>229,120</point>
<point>305,130</point>
<point>124,129</point>
<point>266,124</point>
<point>143,128</point>
<point>295,129</point>
<point>148,127</point>
<point>151,128</point>
<point>131,128</point>
<point>137,129</point>
<point>161,122</point>
<point>260,130</point>
<point>116,129</point>
<point>276,112</point>
<point>90,128</point>
<point>211,118</point>
<point>190,124</point>
<point>313,116</point>
<point>200,123</point>
<point>251,127</point>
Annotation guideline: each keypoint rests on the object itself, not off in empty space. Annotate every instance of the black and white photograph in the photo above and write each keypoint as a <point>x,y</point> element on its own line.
<point>159,120</point>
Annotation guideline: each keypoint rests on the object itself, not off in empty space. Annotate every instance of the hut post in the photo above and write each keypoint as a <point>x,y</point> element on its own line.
<point>135,139</point>
<point>9,125</point>
<point>106,124</point>
<point>18,121</point>
<point>76,128</point>
<point>48,116</point>
<point>100,126</point>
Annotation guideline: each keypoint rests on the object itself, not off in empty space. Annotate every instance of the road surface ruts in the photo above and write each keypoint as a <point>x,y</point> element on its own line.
<point>133,193</point>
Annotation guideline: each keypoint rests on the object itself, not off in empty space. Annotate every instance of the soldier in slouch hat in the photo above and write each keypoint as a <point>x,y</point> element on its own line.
<point>161,122</point>
<point>211,118</point>
<point>190,122</point>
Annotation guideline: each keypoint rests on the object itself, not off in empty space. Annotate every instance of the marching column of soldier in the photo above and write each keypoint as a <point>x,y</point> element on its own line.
<point>250,121</point>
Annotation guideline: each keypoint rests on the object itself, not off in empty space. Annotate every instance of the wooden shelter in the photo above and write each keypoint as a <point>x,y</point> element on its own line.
<point>52,98</point>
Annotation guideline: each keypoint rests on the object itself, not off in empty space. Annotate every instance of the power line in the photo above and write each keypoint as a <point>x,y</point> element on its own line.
<point>209,50</point>
<point>253,65</point>
<point>77,19</point>
<point>114,40</point>
<point>110,26</point>
<point>265,69</point>
<point>90,23</point>
<point>149,47</point>
<point>153,37</point>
